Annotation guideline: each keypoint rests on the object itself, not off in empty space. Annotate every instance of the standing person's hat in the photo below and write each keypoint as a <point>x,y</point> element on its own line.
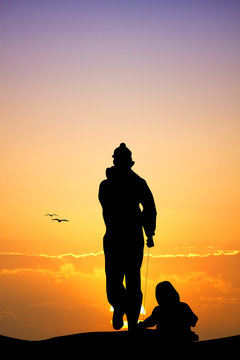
<point>123,155</point>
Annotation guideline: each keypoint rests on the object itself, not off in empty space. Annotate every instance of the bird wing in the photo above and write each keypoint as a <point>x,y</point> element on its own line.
<point>65,220</point>
<point>55,219</point>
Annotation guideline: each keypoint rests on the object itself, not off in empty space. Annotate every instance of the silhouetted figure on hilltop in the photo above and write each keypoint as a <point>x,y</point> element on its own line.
<point>172,317</point>
<point>120,196</point>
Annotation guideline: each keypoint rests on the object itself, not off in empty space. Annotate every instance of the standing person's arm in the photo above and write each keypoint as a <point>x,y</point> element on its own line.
<point>149,214</point>
<point>103,197</point>
<point>150,321</point>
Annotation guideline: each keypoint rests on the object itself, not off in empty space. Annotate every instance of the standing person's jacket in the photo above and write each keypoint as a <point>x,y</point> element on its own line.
<point>121,195</point>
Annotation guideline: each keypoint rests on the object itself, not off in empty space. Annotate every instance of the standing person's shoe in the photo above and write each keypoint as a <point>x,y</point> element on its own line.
<point>117,320</point>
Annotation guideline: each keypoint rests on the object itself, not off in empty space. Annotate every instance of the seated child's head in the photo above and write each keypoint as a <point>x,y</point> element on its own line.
<point>166,294</point>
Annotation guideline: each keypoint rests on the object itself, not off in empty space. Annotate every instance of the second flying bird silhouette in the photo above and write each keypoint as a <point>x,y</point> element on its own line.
<point>60,220</point>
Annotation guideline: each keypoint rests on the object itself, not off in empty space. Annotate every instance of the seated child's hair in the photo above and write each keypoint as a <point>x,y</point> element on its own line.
<point>166,293</point>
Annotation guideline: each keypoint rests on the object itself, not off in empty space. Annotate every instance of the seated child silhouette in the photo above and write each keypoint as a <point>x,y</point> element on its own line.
<point>172,317</point>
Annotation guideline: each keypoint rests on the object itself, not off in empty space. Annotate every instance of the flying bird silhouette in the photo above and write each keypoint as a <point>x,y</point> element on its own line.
<point>51,215</point>
<point>60,220</point>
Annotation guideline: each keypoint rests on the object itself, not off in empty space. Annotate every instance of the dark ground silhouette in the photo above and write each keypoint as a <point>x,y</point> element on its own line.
<point>121,195</point>
<point>119,344</point>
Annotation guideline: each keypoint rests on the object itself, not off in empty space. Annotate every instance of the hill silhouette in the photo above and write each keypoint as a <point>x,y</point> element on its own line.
<point>119,344</point>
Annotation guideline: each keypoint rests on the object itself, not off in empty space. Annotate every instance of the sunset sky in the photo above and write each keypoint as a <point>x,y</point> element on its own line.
<point>77,79</point>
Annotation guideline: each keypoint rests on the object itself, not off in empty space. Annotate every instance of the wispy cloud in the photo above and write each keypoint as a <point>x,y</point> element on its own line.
<point>202,278</point>
<point>66,271</point>
<point>61,256</point>
<point>195,255</point>
<point>6,271</point>
<point>92,254</point>
<point>220,299</point>
<point>65,304</point>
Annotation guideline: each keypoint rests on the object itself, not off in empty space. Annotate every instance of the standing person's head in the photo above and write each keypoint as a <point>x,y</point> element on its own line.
<point>166,294</point>
<point>122,157</point>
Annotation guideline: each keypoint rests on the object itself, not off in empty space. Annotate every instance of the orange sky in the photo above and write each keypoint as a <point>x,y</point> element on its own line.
<point>78,81</point>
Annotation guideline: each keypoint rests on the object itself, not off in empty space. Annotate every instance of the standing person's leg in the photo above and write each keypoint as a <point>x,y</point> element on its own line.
<point>133,287</point>
<point>116,292</point>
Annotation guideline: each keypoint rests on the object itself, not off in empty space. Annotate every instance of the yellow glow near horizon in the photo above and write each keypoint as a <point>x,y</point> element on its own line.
<point>125,323</point>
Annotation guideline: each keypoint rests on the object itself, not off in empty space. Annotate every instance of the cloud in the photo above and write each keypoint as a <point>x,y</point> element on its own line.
<point>64,304</point>
<point>92,254</point>
<point>197,280</point>
<point>18,270</point>
<point>214,282</point>
<point>220,299</point>
<point>66,271</point>
<point>61,256</point>
<point>196,255</point>
<point>60,266</point>
<point>69,265</point>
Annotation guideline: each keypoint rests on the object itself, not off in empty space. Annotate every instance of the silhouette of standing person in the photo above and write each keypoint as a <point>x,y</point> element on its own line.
<point>120,196</point>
